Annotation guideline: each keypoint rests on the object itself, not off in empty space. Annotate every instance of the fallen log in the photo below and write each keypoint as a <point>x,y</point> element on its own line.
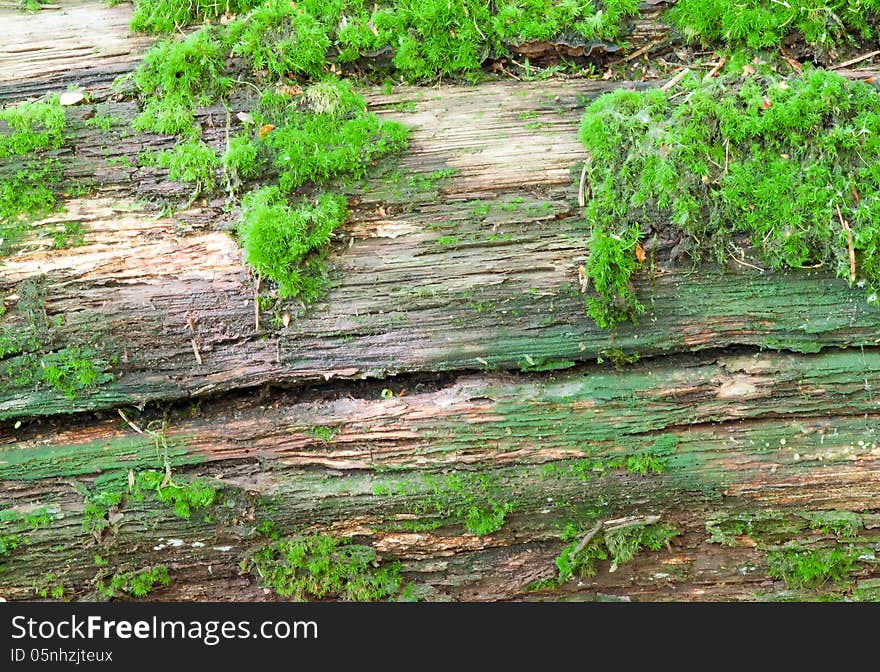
<point>444,404</point>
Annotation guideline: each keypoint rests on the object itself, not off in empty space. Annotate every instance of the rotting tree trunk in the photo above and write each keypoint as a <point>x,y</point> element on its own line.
<point>755,393</point>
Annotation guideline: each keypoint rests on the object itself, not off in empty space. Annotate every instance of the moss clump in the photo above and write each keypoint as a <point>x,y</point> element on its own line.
<point>751,153</point>
<point>803,568</point>
<point>175,77</point>
<point>841,524</point>
<point>182,496</point>
<point>136,584</point>
<point>321,566</point>
<point>71,234</point>
<point>34,126</point>
<point>535,20</point>
<point>241,160</point>
<point>282,39</point>
<point>191,161</point>
<point>760,24</point>
<point>31,130</point>
<point>68,371</point>
<point>619,544</point>
<point>325,135</point>
<point>13,525</point>
<point>25,195</point>
<point>168,16</point>
<point>285,242</point>
<point>429,38</point>
<point>476,501</point>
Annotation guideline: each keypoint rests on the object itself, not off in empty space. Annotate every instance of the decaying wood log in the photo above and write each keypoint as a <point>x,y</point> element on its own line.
<point>453,343</point>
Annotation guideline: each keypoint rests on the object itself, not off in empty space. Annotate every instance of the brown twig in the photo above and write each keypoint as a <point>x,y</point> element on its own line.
<point>857,59</point>
<point>714,71</point>
<point>129,422</point>
<point>849,243</point>
<point>582,197</point>
<point>619,523</point>
<point>675,80</point>
<point>257,304</point>
<point>643,50</point>
<point>196,351</point>
<point>587,538</point>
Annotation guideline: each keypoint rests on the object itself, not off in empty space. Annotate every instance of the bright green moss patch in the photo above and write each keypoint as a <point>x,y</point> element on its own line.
<point>175,77</point>
<point>282,39</point>
<point>427,38</point>
<point>68,371</point>
<point>71,370</point>
<point>24,195</point>
<point>805,568</point>
<point>619,544</point>
<point>766,23</point>
<point>191,161</point>
<point>242,158</point>
<point>759,154</point>
<point>71,234</point>
<point>136,584</point>
<point>167,16</point>
<point>183,496</point>
<point>14,527</point>
<point>477,501</point>
<point>321,566</point>
<point>325,135</point>
<point>32,126</point>
<point>284,242</point>
<point>28,130</point>
<point>536,20</point>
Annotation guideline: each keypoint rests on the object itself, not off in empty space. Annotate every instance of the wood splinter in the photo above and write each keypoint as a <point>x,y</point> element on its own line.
<point>849,243</point>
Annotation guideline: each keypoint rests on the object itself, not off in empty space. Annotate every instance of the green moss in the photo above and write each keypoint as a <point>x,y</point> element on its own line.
<point>71,234</point>
<point>49,587</point>
<point>324,434</point>
<point>841,524</point>
<point>242,158</point>
<point>168,16</point>
<point>182,496</point>
<point>281,38</point>
<point>618,358</point>
<point>72,370</point>
<point>429,38</point>
<point>757,154</point>
<point>15,526</point>
<point>285,242</point>
<point>804,568</point>
<point>28,130</point>
<point>430,181</point>
<point>103,122</point>
<point>759,24</point>
<point>192,162</point>
<point>175,77</point>
<point>620,545</point>
<point>34,126</point>
<point>136,584</point>
<point>476,501</point>
<point>321,566</point>
<point>326,134</point>
<point>25,195</point>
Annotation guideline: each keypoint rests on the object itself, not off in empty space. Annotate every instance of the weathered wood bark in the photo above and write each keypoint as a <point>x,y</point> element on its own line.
<point>461,297</point>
